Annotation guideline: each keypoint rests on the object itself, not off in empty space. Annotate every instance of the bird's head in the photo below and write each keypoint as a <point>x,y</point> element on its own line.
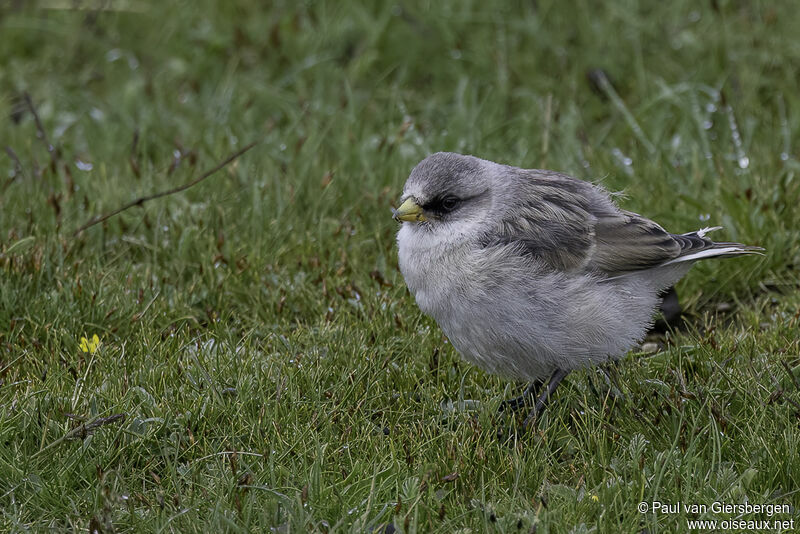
<point>446,191</point>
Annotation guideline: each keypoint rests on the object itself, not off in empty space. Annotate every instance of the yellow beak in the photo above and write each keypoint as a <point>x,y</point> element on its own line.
<point>409,211</point>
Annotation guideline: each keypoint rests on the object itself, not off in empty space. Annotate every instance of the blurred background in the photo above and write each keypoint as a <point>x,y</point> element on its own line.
<point>688,108</point>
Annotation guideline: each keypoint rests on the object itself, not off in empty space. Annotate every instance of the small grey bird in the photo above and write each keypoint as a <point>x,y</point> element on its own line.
<point>533,273</point>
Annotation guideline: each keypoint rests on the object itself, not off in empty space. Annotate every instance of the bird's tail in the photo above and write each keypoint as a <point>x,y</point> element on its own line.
<point>696,246</point>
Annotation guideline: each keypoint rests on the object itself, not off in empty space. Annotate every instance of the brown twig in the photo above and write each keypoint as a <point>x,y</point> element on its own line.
<point>97,423</point>
<point>791,374</point>
<point>134,160</point>
<point>41,133</point>
<point>141,200</point>
<point>13,155</point>
<point>18,169</point>
<point>83,430</point>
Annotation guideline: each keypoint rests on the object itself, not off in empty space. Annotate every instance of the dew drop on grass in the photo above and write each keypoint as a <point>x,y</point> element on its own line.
<point>84,165</point>
<point>625,161</point>
<point>113,55</point>
<point>736,138</point>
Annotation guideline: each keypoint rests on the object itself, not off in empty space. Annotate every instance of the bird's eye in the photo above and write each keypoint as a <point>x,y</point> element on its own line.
<point>442,205</point>
<point>449,203</point>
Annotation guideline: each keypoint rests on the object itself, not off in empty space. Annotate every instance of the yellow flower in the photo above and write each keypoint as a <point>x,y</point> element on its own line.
<point>90,345</point>
<point>595,498</point>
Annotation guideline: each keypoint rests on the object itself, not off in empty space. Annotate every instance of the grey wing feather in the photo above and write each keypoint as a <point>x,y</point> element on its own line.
<point>569,225</point>
<point>562,244</point>
<point>628,242</point>
<point>552,222</point>
<point>651,246</point>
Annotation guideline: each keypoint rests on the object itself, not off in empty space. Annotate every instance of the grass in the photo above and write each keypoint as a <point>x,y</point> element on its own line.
<point>272,369</point>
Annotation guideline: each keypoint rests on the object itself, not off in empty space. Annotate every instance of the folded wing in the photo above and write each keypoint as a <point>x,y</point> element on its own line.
<point>571,225</point>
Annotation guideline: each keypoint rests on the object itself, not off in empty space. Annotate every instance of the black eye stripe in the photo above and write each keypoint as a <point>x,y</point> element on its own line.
<point>444,204</point>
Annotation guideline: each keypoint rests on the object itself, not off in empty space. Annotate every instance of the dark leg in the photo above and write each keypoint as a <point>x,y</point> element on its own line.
<point>670,309</point>
<point>541,402</point>
<point>518,402</point>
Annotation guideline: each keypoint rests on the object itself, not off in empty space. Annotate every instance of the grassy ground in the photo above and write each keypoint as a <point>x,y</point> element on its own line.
<point>255,332</point>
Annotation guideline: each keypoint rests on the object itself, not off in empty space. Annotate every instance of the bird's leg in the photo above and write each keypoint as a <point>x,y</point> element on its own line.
<point>518,402</point>
<point>541,402</point>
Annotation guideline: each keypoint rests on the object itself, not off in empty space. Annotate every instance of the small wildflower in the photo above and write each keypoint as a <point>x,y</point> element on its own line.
<point>90,345</point>
<point>595,498</point>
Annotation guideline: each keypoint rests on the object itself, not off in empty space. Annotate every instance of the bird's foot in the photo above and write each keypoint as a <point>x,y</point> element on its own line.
<point>527,396</point>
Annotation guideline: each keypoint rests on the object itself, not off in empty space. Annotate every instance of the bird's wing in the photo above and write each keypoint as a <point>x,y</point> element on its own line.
<point>626,242</point>
<point>573,225</point>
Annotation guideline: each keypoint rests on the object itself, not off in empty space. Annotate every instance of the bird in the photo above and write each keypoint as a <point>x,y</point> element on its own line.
<point>531,273</point>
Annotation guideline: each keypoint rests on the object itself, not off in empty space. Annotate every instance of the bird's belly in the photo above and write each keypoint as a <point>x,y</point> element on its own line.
<point>511,318</point>
<point>527,331</point>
